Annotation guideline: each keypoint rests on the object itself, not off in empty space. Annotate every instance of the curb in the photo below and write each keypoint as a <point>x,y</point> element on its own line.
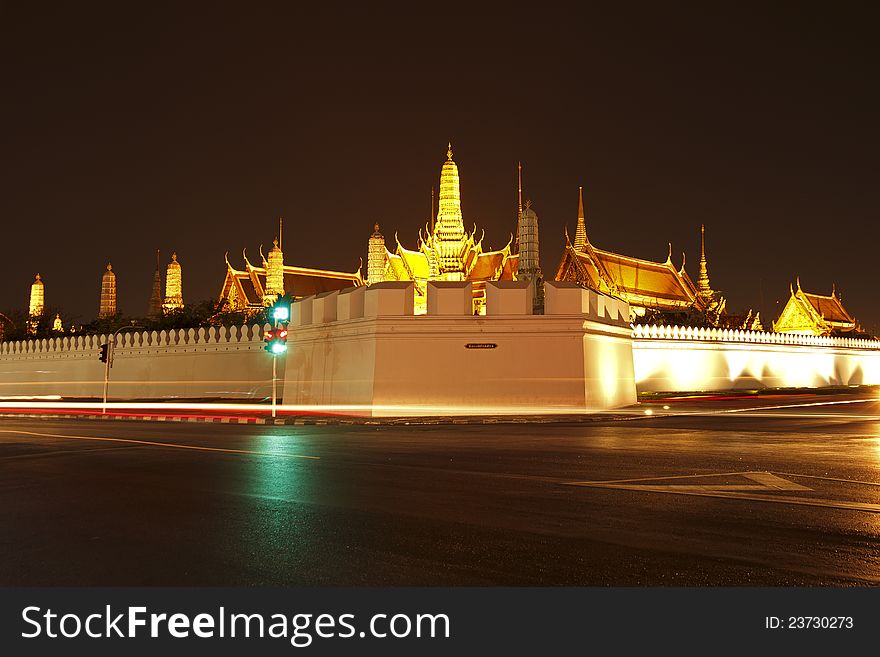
<point>330,421</point>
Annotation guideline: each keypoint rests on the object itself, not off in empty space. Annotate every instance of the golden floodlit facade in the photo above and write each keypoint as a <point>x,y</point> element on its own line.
<point>815,314</point>
<point>445,252</point>
<point>655,291</point>
<point>648,286</point>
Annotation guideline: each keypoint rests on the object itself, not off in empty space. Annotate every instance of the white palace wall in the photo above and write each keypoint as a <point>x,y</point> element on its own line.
<point>187,363</point>
<point>362,350</point>
<point>375,357</point>
<point>678,359</point>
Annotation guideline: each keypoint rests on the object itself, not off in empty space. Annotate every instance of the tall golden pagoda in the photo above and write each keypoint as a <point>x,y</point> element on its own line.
<point>446,251</point>
<point>36,304</point>
<point>173,286</point>
<point>376,257</point>
<point>108,294</point>
<point>274,274</point>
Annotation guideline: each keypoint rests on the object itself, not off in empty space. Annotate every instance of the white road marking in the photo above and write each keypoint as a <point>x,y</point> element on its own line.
<point>151,443</point>
<point>765,484</point>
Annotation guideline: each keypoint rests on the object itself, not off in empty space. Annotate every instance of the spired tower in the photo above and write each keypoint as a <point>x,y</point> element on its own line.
<point>156,297</point>
<point>173,286</point>
<point>703,286</point>
<point>528,246</point>
<point>449,240</point>
<point>108,294</point>
<point>36,305</point>
<point>274,275</point>
<point>580,235</point>
<point>376,257</point>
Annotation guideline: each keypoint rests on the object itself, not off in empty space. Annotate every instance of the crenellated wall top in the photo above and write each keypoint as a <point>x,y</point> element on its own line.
<point>212,335</point>
<point>654,332</point>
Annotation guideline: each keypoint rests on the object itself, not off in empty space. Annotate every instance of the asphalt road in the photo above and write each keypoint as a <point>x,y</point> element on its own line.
<point>783,493</point>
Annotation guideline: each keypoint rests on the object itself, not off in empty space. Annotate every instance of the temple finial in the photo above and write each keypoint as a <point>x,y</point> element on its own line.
<point>703,286</point>
<point>519,184</point>
<point>669,255</point>
<point>449,151</point>
<point>280,229</point>
<point>580,234</point>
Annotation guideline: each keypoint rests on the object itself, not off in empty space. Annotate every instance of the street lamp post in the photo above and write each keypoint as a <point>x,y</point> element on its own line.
<point>108,362</point>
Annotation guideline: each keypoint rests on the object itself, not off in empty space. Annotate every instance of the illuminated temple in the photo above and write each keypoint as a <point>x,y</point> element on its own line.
<point>445,252</point>
<point>815,314</point>
<point>655,291</point>
<point>254,287</point>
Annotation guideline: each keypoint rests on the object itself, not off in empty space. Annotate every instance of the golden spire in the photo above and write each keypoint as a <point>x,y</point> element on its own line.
<point>280,230</point>
<point>519,192</point>
<point>449,152</point>
<point>580,235</point>
<point>703,286</point>
<point>449,236</point>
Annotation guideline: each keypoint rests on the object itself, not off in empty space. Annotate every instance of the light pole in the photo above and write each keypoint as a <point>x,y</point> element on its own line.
<point>108,361</point>
<point>276,341</point>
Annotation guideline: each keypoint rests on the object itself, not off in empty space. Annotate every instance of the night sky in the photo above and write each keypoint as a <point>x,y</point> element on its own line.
<point>193,129</point>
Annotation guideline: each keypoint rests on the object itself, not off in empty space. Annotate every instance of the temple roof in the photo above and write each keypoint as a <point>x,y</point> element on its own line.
<point>415,262</point>
<point>298,282</point>
<point>638,281</point>
<point>828,308</point>
<point>487,266</point>
<point>511,268</point>
<point>644,277</point>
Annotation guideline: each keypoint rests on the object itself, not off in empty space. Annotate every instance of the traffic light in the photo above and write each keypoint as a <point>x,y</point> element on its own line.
<point>276,341</point>
<point>104,349</point>
<point>280,313</point>
<point>276,337</point>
